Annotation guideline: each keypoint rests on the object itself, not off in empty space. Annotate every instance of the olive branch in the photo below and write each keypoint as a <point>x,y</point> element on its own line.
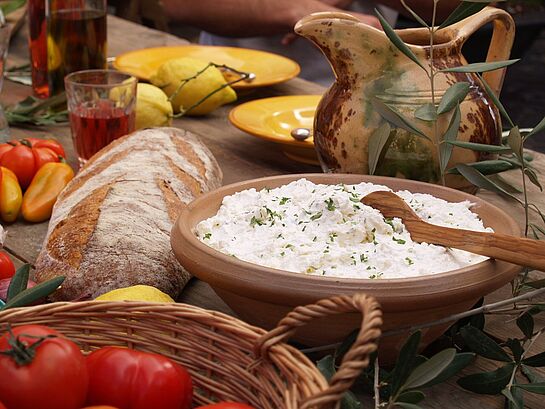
<point>402,385</point>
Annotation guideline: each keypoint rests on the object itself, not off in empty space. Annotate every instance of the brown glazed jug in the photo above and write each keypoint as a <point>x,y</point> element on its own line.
<point>368,67</point>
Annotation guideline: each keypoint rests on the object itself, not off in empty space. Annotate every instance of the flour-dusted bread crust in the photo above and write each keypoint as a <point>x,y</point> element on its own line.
<point>110,227</point>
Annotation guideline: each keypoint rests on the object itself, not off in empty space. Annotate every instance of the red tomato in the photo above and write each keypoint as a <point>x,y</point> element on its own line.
<point>129,379</point>
<point>226,405</point>
<point>7,269</point>
<point>2,406</point>
<point>55,378</point>
<point>27,156</point>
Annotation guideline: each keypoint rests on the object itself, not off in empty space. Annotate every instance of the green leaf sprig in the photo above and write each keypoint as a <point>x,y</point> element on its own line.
<point>20,296</point>
<point>35,111</point>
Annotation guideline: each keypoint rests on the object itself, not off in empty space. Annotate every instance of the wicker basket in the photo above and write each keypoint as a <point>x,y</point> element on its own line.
<point>228,359</point>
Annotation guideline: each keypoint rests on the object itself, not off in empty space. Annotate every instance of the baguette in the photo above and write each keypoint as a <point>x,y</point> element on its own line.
<point>110,227</point>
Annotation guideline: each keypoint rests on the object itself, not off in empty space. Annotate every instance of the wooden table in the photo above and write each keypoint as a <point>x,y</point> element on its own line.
<point>244,157</point>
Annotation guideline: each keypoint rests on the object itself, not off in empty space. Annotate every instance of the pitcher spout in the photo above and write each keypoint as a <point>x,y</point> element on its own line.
<point>346,42</point>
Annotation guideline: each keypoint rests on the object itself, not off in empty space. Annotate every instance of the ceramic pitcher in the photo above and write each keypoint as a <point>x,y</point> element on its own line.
<point>369,68</point>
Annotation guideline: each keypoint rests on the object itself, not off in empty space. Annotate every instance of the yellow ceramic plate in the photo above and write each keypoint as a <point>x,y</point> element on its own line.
<point>274,118</point>
<point>268,68</point>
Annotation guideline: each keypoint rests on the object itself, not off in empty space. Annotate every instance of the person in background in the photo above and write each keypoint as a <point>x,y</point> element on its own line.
<point>268,25</point>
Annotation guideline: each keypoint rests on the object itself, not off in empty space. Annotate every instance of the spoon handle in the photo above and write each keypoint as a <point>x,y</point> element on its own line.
<point>517,250</point>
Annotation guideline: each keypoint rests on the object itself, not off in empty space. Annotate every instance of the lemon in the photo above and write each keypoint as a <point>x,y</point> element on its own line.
<point>171,75</point>
<point>136,293</point>
<point>152,107</point>
<point>54,58</point>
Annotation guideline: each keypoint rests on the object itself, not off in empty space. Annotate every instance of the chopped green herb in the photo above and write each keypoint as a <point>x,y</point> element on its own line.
<point>304,227</point>
<point>257,221</point>
<point>283,254</point>
<point>289,246</point>
<point>284,200</point>
<point>280,236</point>
<point>409,261</point>
<point>389,221</point>
<point>315,238</point>
<point>355,198</point>
<point>330,204</point>
<point>363,258</point>
<point>207,235</point>
<point>332,236</point>
<point>375,276</point>
<point>316,216</point>
<point>398,241</point>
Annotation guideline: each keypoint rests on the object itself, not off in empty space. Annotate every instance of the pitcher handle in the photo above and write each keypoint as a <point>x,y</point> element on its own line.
<point>500,45</point>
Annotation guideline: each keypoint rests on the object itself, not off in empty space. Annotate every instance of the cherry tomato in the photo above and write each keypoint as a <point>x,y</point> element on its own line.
<point>7,269</point>
<point>129,379</point>
<point>54,378</point>
<point>226,405</point>
<point>25,157</point>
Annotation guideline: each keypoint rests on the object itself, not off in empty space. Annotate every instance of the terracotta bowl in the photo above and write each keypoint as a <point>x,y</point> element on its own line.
<point>263,295</point>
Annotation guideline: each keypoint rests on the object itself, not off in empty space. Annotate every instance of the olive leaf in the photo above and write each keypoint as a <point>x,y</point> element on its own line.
<point>411,397</point>
<point>426,112</point>
<point>450,135</point>
<point>481,181</point>
<point>459,362</point>
<point>406,405</point>
<point>483,345</point>
<point>514,398</point>
<point>481,66</point>
<point>378,145</point>
<point>453,96</point>
<point>488,383</point>
<point>428,370</point>
<point>532,387</point>
<point>530,374</point>
<point>465,9</point>
<point>526,324</point>
<point>392,115</point>
<point>405,362</point>
<point>514,140</point>
<point>36,293</point>
<point>481,147</point>
<point>516,348</point>
<point>19,281</point>
<point>535,361</point>
<point>532,176</point>
<point>500,181</point>
<point>486,167</point>
<point>396,40</point>
<point>35,111</point>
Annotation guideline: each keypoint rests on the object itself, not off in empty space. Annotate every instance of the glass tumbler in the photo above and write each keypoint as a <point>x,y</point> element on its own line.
<point>101,106</point>
<point>76,38</point>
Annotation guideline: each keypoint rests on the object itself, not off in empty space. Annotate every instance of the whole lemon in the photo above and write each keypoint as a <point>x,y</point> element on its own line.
<point>170,78</point>
<point>152,107</point>
<point>136,293</point>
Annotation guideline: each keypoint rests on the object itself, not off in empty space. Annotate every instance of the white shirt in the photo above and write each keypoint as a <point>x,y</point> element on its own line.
<point>314,66</point>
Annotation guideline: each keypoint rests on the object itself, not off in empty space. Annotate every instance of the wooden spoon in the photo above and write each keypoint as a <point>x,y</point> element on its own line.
<point>516,250</point>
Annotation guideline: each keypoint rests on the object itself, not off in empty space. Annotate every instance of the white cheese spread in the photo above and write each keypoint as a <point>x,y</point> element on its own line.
<point>325,230</point>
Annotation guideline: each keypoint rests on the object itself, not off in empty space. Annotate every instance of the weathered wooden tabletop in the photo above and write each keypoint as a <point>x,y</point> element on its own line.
<point>244,157</point>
